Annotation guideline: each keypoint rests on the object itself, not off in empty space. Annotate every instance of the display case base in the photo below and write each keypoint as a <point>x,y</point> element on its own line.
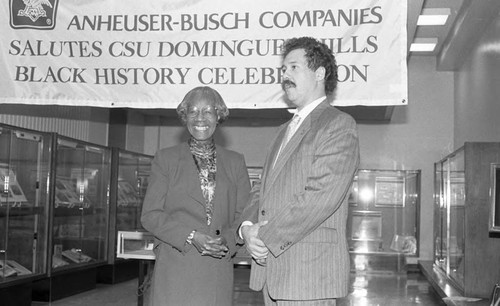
<point>64,284</point>
<point>378,262</point>
<point>118,272</point>
<point>16,295</point>
<point>450,295</point>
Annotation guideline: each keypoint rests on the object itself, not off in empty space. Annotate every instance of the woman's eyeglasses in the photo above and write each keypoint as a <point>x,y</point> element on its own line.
<point>205,112</point>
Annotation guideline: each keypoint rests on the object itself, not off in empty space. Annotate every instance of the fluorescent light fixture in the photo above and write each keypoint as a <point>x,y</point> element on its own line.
<point>423,45</point>
<point>433,16</point>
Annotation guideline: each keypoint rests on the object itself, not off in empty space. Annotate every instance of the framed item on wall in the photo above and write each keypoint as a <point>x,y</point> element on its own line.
<point>494,223</point>
<point>389,191</point>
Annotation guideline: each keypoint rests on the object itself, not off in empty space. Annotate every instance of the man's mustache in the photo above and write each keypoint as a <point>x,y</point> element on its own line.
<point>286,83</point>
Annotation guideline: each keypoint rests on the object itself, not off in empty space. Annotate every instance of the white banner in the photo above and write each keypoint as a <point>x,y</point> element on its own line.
<point>150,53</point>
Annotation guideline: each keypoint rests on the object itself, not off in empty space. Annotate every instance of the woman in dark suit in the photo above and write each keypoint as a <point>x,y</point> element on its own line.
<point>196,193</point>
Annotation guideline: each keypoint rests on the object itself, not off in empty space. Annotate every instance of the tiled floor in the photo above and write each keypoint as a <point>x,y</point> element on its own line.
<point>384,289</point>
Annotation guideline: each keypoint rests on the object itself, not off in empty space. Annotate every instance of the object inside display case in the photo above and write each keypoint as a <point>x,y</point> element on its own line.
<point>127,195</point>
<point>10,268</point>
<point>135,244</point>
<point>69,195</point>
<point>57,260</point>
<point>404,244</point>
<point>10,190</point>
<point>76,256</point>
<point>6,270</point>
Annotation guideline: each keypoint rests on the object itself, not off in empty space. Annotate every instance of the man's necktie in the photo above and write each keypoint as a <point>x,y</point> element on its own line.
<point>290,130</point>
<point>292,127</point>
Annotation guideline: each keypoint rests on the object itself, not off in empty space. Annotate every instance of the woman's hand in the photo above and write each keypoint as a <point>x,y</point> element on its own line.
<point>207,245</point>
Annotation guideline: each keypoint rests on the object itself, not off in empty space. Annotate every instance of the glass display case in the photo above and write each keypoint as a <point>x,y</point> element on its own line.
<point>130,185</point>
<point>464,252</point>
<point>449,216</point>
<point>80,210</point>
<point>79,218</point>
<point>129,181</point>
<point>24,209</point>
<point>382,226</point>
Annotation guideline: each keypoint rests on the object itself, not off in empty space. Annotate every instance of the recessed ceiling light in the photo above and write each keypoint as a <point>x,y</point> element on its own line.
<point>423,45</point>
<point>434,16</point>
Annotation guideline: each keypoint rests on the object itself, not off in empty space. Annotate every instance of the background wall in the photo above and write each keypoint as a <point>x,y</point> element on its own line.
<point>84,123</point>
<point>477,91</point>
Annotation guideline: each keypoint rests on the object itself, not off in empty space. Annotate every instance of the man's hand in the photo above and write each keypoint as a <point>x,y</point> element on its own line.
<point>253,244</point>
<point>207,245</point>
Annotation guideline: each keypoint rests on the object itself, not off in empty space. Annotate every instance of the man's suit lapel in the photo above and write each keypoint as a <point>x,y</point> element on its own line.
<point>268,165</point>
<point>286,152</point>
<point>293,144</point>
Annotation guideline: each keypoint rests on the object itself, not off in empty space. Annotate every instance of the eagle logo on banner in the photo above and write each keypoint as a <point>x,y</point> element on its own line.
<point>34,9</point>
<point>36,14</point>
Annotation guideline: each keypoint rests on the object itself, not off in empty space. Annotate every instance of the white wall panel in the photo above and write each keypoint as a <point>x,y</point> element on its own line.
<point>68,121</point>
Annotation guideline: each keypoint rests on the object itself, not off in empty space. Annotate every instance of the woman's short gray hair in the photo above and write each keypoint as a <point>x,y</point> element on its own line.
<point>207,93</point>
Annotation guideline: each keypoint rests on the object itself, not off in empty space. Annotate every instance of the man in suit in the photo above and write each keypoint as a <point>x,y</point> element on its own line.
<point>295,223</point>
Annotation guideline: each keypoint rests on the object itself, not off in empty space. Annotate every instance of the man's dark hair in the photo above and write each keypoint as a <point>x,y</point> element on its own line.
<point>318,55</point>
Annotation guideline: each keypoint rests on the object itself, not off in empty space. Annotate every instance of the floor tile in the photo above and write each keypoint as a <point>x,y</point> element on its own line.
<point>368,289</point>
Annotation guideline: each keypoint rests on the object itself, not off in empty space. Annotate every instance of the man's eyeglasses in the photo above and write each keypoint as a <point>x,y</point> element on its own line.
<point>205,112</point>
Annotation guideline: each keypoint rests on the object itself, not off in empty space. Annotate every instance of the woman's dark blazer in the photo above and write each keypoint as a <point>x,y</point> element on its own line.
<point>173,207</point>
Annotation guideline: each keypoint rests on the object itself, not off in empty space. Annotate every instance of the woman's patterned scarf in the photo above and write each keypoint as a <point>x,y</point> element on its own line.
<point>205,157</point>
